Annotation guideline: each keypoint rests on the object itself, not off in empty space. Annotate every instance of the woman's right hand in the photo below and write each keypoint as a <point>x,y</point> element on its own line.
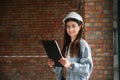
<point>51,63</point>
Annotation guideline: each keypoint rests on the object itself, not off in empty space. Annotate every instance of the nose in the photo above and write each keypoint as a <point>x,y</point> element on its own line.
<point>70,29</point>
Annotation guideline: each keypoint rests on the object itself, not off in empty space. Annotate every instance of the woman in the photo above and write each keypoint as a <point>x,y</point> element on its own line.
<point>77,60</point>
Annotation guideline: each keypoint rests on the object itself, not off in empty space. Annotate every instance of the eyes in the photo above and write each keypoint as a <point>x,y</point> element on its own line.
<point>71,26</point>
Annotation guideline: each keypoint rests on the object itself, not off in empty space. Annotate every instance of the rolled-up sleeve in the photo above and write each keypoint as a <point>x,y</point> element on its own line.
<point>58,72</point>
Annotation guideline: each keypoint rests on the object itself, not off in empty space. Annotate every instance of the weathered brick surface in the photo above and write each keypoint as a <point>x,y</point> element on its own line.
<point>99,34</point>
<point>23,23</point>
<point>25,69</point>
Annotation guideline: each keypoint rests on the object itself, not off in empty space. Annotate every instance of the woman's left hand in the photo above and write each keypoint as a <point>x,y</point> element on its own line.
<point>65,62</point>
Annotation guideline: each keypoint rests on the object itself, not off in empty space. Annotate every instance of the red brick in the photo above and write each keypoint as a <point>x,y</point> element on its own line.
<point>24,23</point>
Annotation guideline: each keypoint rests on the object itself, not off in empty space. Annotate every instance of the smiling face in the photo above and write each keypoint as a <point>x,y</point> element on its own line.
<point>72,29</point>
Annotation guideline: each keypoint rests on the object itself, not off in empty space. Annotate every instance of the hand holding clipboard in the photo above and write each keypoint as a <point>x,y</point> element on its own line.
<point>53,51</point>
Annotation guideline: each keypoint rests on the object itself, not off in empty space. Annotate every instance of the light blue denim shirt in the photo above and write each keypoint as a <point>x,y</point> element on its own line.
<point>82,67</point>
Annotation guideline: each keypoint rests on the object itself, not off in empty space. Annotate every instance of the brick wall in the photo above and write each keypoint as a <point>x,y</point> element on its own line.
<point>23,23</point>
<point>99,34</point>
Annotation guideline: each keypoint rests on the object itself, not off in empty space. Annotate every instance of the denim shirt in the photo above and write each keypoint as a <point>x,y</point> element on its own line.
<point>82,67</point>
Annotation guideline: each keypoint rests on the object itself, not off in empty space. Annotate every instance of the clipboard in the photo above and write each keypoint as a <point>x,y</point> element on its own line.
<point>53,51</point>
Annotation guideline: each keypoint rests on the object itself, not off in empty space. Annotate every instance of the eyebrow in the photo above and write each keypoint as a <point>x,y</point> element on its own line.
<point>72,24</point>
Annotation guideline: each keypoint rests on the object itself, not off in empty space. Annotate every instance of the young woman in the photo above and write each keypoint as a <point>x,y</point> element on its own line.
<point>77,60</point>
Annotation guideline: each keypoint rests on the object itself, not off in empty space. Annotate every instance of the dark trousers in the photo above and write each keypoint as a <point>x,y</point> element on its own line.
<point>63,78</point>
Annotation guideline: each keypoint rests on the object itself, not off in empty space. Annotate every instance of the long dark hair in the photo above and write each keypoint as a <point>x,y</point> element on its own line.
<point>75,46</point>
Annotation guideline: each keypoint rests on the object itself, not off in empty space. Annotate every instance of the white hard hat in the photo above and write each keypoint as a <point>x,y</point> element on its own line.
<point>73,15</point>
